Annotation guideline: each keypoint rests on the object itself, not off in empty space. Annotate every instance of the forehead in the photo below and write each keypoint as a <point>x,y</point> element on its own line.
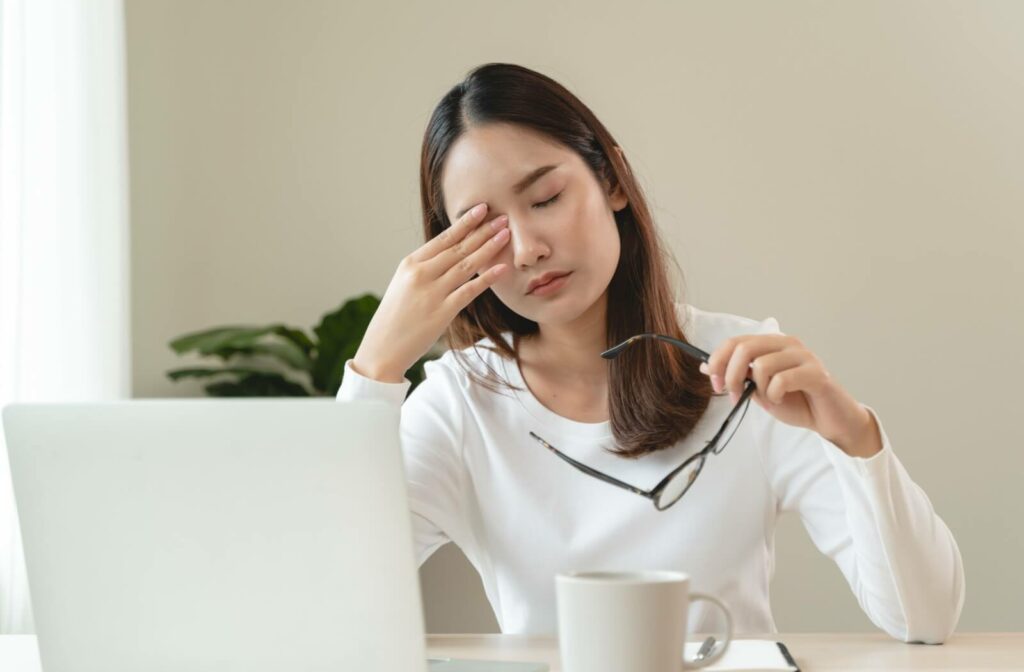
<point>487,160</point>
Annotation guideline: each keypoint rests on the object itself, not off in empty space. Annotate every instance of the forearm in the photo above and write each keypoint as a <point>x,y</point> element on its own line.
<point>909,569</point>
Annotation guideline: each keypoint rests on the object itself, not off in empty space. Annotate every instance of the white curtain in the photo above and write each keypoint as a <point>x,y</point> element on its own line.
<point>64,264</point>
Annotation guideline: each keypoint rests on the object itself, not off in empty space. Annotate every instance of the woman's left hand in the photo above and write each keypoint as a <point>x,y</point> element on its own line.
<point>794,386</point>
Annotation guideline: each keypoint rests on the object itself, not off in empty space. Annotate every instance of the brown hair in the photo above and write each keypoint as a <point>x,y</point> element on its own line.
<point>656,393</point>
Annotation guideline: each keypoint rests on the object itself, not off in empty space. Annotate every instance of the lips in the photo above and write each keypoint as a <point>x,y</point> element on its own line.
<point>545,279</point>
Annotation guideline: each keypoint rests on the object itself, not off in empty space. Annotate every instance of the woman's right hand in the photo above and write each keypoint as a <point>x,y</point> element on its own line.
<point>428,290</point>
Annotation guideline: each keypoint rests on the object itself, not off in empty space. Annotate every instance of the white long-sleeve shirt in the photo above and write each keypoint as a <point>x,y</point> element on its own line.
<point>521,515</point>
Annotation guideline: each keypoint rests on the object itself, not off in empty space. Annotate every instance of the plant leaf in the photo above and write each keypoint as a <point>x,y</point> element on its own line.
<point>296,336</point>
<point>209,341</point>
<point>206,372</point>
<point>292,347</point>
<point>260,384</point>
<point>338,337</point>
<point>285,351</point>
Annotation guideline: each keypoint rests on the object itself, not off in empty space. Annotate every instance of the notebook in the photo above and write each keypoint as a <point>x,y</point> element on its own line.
<point>750,655</point>
<point>455,665</point>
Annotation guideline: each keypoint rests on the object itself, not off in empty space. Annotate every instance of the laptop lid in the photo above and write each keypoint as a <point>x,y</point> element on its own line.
<point>216,534</point>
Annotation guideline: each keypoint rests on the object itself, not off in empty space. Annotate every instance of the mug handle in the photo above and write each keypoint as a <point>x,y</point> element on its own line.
<point>694,664</point>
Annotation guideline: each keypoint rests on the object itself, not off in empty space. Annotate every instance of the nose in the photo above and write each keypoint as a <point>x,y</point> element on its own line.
<point>527,247</point>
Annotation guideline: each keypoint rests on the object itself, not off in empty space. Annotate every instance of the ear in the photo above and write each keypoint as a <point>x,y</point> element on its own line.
<point>617,197</point>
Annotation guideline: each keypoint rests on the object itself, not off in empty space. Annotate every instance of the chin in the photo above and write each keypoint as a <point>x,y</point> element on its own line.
<point>555,318</point>
<point>566,310</point>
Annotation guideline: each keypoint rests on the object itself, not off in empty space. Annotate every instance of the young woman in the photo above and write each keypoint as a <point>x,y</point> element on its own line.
<point>536,454</point>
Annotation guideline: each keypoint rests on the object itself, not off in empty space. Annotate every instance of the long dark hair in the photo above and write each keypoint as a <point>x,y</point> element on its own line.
<point>656,394</point>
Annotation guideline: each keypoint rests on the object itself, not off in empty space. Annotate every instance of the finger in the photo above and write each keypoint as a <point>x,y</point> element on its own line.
<point>475,263</point>
<point>765,367</point>
<point>467,291</point>
<point>453,234</point>
<point>715,366</point>
<point>732,363</point>
<point>801,378</point>
<point>466,256</point>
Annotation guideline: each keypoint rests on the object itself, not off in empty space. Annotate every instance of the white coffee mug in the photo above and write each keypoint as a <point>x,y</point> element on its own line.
<point>636,621</point>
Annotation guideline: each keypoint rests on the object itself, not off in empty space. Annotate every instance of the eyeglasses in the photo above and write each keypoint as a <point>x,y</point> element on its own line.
<point>671,488</point>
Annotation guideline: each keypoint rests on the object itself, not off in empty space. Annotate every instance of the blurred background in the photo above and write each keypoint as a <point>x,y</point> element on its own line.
<point>854,169</point>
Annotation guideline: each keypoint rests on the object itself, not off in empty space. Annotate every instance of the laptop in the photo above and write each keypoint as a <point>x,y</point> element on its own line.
<point>219,535</point>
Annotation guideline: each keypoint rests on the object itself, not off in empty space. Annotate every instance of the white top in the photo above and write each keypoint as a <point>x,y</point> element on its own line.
<point>521,515</point>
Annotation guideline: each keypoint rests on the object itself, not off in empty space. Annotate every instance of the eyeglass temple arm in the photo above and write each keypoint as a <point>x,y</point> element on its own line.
<point>693,350</point>
<point>593,472</point>
<point>613,352</point>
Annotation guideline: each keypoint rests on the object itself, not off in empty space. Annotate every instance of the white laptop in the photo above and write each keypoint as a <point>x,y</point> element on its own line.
<point>223,535</point>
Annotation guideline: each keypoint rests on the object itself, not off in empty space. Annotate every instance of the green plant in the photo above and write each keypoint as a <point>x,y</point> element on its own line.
<point>320,360</point>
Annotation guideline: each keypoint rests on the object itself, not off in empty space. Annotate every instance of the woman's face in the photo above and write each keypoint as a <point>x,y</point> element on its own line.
<point>574,233</point>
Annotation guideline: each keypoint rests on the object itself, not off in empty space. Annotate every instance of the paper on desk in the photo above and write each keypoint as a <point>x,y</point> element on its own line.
<point>750,655</point>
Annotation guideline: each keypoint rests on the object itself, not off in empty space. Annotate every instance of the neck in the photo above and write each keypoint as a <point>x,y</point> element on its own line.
<point>573,349</point>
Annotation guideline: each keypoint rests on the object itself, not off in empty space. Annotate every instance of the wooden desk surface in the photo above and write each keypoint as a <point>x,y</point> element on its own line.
<point>968,651</point>
<point>817,651</point>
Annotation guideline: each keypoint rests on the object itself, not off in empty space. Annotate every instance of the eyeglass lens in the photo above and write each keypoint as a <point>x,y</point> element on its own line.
<point>682,481</point>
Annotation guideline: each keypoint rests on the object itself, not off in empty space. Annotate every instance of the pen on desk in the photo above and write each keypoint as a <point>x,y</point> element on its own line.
<point>705,648</point>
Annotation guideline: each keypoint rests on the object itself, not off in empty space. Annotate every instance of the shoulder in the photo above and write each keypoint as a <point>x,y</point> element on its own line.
<point>707,329</point>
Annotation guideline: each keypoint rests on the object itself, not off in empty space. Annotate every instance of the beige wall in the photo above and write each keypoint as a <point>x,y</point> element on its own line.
<point>854,169</point>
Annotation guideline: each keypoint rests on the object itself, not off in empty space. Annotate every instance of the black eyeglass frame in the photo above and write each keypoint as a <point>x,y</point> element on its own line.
<point>712,446</point>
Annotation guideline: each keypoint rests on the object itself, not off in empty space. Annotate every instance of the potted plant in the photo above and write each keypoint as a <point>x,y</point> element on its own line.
<point>313,365</point>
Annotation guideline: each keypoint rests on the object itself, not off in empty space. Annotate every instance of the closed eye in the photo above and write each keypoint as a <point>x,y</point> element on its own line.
<point>548,202</point>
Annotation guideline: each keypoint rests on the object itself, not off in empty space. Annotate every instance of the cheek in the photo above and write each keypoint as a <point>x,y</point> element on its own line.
<point>506,282</point>
<point>507,293</point>
<point>574,231</point>
<point>598,235</point>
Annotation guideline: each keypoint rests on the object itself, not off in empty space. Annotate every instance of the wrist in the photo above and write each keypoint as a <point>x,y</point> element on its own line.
<point>380,373</point>
<point>865,440</point>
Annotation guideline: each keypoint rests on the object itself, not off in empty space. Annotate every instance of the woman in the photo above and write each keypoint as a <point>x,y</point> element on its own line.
<point>541,254</point>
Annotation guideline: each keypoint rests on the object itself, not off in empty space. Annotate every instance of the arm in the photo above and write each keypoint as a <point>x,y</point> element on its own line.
<point>431,439</point>
<point>880,528</point>
<point>828,458</point>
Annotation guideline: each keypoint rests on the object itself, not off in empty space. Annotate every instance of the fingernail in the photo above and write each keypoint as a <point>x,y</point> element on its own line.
<point>478,208</point>
<point>716,383</point>
<point>499,222</point>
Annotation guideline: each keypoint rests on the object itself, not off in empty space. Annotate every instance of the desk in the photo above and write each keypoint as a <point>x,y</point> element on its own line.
<point>833,652</point>
<point>968,651</point>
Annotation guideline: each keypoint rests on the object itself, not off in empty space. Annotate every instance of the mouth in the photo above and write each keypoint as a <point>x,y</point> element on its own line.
<point>551,286</point>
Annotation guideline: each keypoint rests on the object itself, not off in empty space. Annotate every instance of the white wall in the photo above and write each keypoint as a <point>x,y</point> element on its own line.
<point>854,169</point>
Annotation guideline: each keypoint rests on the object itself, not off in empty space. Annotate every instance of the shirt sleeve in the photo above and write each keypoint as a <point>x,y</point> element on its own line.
<point>430,430</point>
<point>897,555</point>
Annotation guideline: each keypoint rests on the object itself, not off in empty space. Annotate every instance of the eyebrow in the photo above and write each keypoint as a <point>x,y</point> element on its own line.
<point>523,184</point>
